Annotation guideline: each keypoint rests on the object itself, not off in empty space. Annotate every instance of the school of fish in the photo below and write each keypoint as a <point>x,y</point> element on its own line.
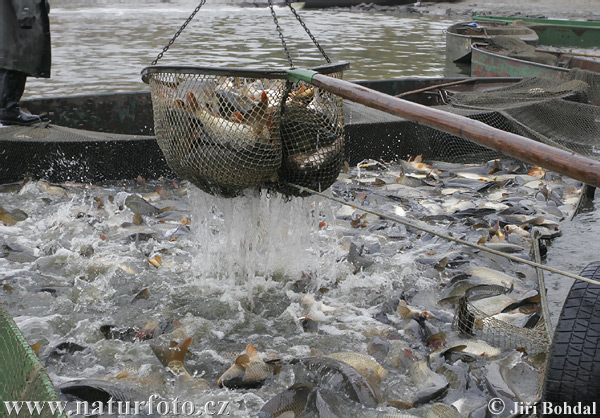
<point>286,308</point>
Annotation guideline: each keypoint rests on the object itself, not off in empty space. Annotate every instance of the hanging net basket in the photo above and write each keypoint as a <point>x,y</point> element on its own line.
<point>228,129</point>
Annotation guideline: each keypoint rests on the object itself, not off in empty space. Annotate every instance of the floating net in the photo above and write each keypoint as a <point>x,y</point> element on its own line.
<point>22,376</point>
<point>554,112</point>
<point>226,130</point>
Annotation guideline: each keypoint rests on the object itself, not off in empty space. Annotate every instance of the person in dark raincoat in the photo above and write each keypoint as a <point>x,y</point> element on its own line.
<point>24,51</point>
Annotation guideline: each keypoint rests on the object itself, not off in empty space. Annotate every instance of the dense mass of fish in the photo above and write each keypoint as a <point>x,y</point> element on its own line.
<point>301,308</point>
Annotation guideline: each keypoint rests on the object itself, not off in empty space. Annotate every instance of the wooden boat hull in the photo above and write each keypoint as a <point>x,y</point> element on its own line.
<point>128,147</point>
<point>490,64</point>
<point>568,33</point>
<point>460,37</point>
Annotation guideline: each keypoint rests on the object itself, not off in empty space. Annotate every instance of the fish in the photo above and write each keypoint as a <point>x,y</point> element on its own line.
<point>153,329</point>
<point>321,403</point>
<point>248,371</point>
<point>95,391</point>
<point>429,384</point>
<point>99,390</point>
<point>11,218</point>
<point>315,158</point>
<point>417,164</point>
<point>337,376</point>
<point>441,410</point>
<point>489,276</point>
<point>291,401</point>
<point>505,301</point>
<point>315,309</point>
<point>378,348</point>
<point>434,339</point>
<point>67,347</point>
<point>139,205</point>
<point>304,94</point>
<point>230,102</point>
<point>173,356</point>
<point>364,364</point>
<point>46,187</point>
<point>498,380</point>
<point>408,312</point>
<point>477,348</point>
<point>113,332</point>
<point>358,261</point>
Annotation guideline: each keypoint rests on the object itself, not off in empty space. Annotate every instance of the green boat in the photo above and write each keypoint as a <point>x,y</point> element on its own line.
<point>490,60</point>
<point>460,36</point>
<point>555,32</point>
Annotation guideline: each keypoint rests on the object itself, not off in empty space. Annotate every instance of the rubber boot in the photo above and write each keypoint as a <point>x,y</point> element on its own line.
<point>12,86</point>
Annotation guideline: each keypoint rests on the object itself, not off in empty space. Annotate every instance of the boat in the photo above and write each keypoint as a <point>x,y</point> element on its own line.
<point>491,60</point>
<point>460,36</point>
<point>555,32</point>
<point>326,4</point>
<point>117,141</point>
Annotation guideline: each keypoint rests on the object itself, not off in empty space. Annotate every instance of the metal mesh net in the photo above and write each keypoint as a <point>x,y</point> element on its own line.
<point>226,130</point>
<point>474,322</point>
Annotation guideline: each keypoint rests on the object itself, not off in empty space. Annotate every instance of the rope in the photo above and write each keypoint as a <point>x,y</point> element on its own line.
<point>448,237</point>
<point>542,285</point>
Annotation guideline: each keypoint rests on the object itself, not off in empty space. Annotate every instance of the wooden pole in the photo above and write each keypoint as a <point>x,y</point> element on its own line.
<point>564,162</point>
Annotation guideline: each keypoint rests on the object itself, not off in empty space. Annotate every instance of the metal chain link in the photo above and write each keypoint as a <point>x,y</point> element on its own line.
<point>189,19</point>
<point>287,52</point>
<point>289,3</point>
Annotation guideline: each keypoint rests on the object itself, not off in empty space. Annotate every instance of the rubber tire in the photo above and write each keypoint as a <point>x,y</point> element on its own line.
<point>573,368</point>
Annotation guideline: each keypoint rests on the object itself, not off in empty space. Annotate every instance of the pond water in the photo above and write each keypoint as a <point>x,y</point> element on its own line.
<point>102,47</point>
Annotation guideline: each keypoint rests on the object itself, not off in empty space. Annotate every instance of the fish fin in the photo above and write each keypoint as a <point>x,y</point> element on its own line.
<point>315,353</point>
<point>276,369</point>
<point>400,404</point>
<point>450,299</point>
<point>251,351</point>
<point>124,374</point>
<point>36,347</point>
<point>178,352</point>
<point>242,360</point>
<point>403,309</point>
<point>436,341</point>
<point>287,414</point>
<point>301,385</point>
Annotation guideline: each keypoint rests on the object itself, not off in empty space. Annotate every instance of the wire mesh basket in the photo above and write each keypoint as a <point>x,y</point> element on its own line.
<point>471,321</point>
<point>229,129</point>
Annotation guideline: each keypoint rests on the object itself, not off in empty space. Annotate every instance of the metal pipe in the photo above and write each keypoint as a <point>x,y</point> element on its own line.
<point>564,162</point>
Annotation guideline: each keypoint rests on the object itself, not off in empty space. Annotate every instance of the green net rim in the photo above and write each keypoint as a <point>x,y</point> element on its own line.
<point>7,324</point>
<point>237,72</point>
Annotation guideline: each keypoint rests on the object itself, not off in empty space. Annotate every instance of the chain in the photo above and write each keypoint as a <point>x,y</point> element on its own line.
<point>189,19</point>
<point>288,2</point>
<point>287,52</point>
